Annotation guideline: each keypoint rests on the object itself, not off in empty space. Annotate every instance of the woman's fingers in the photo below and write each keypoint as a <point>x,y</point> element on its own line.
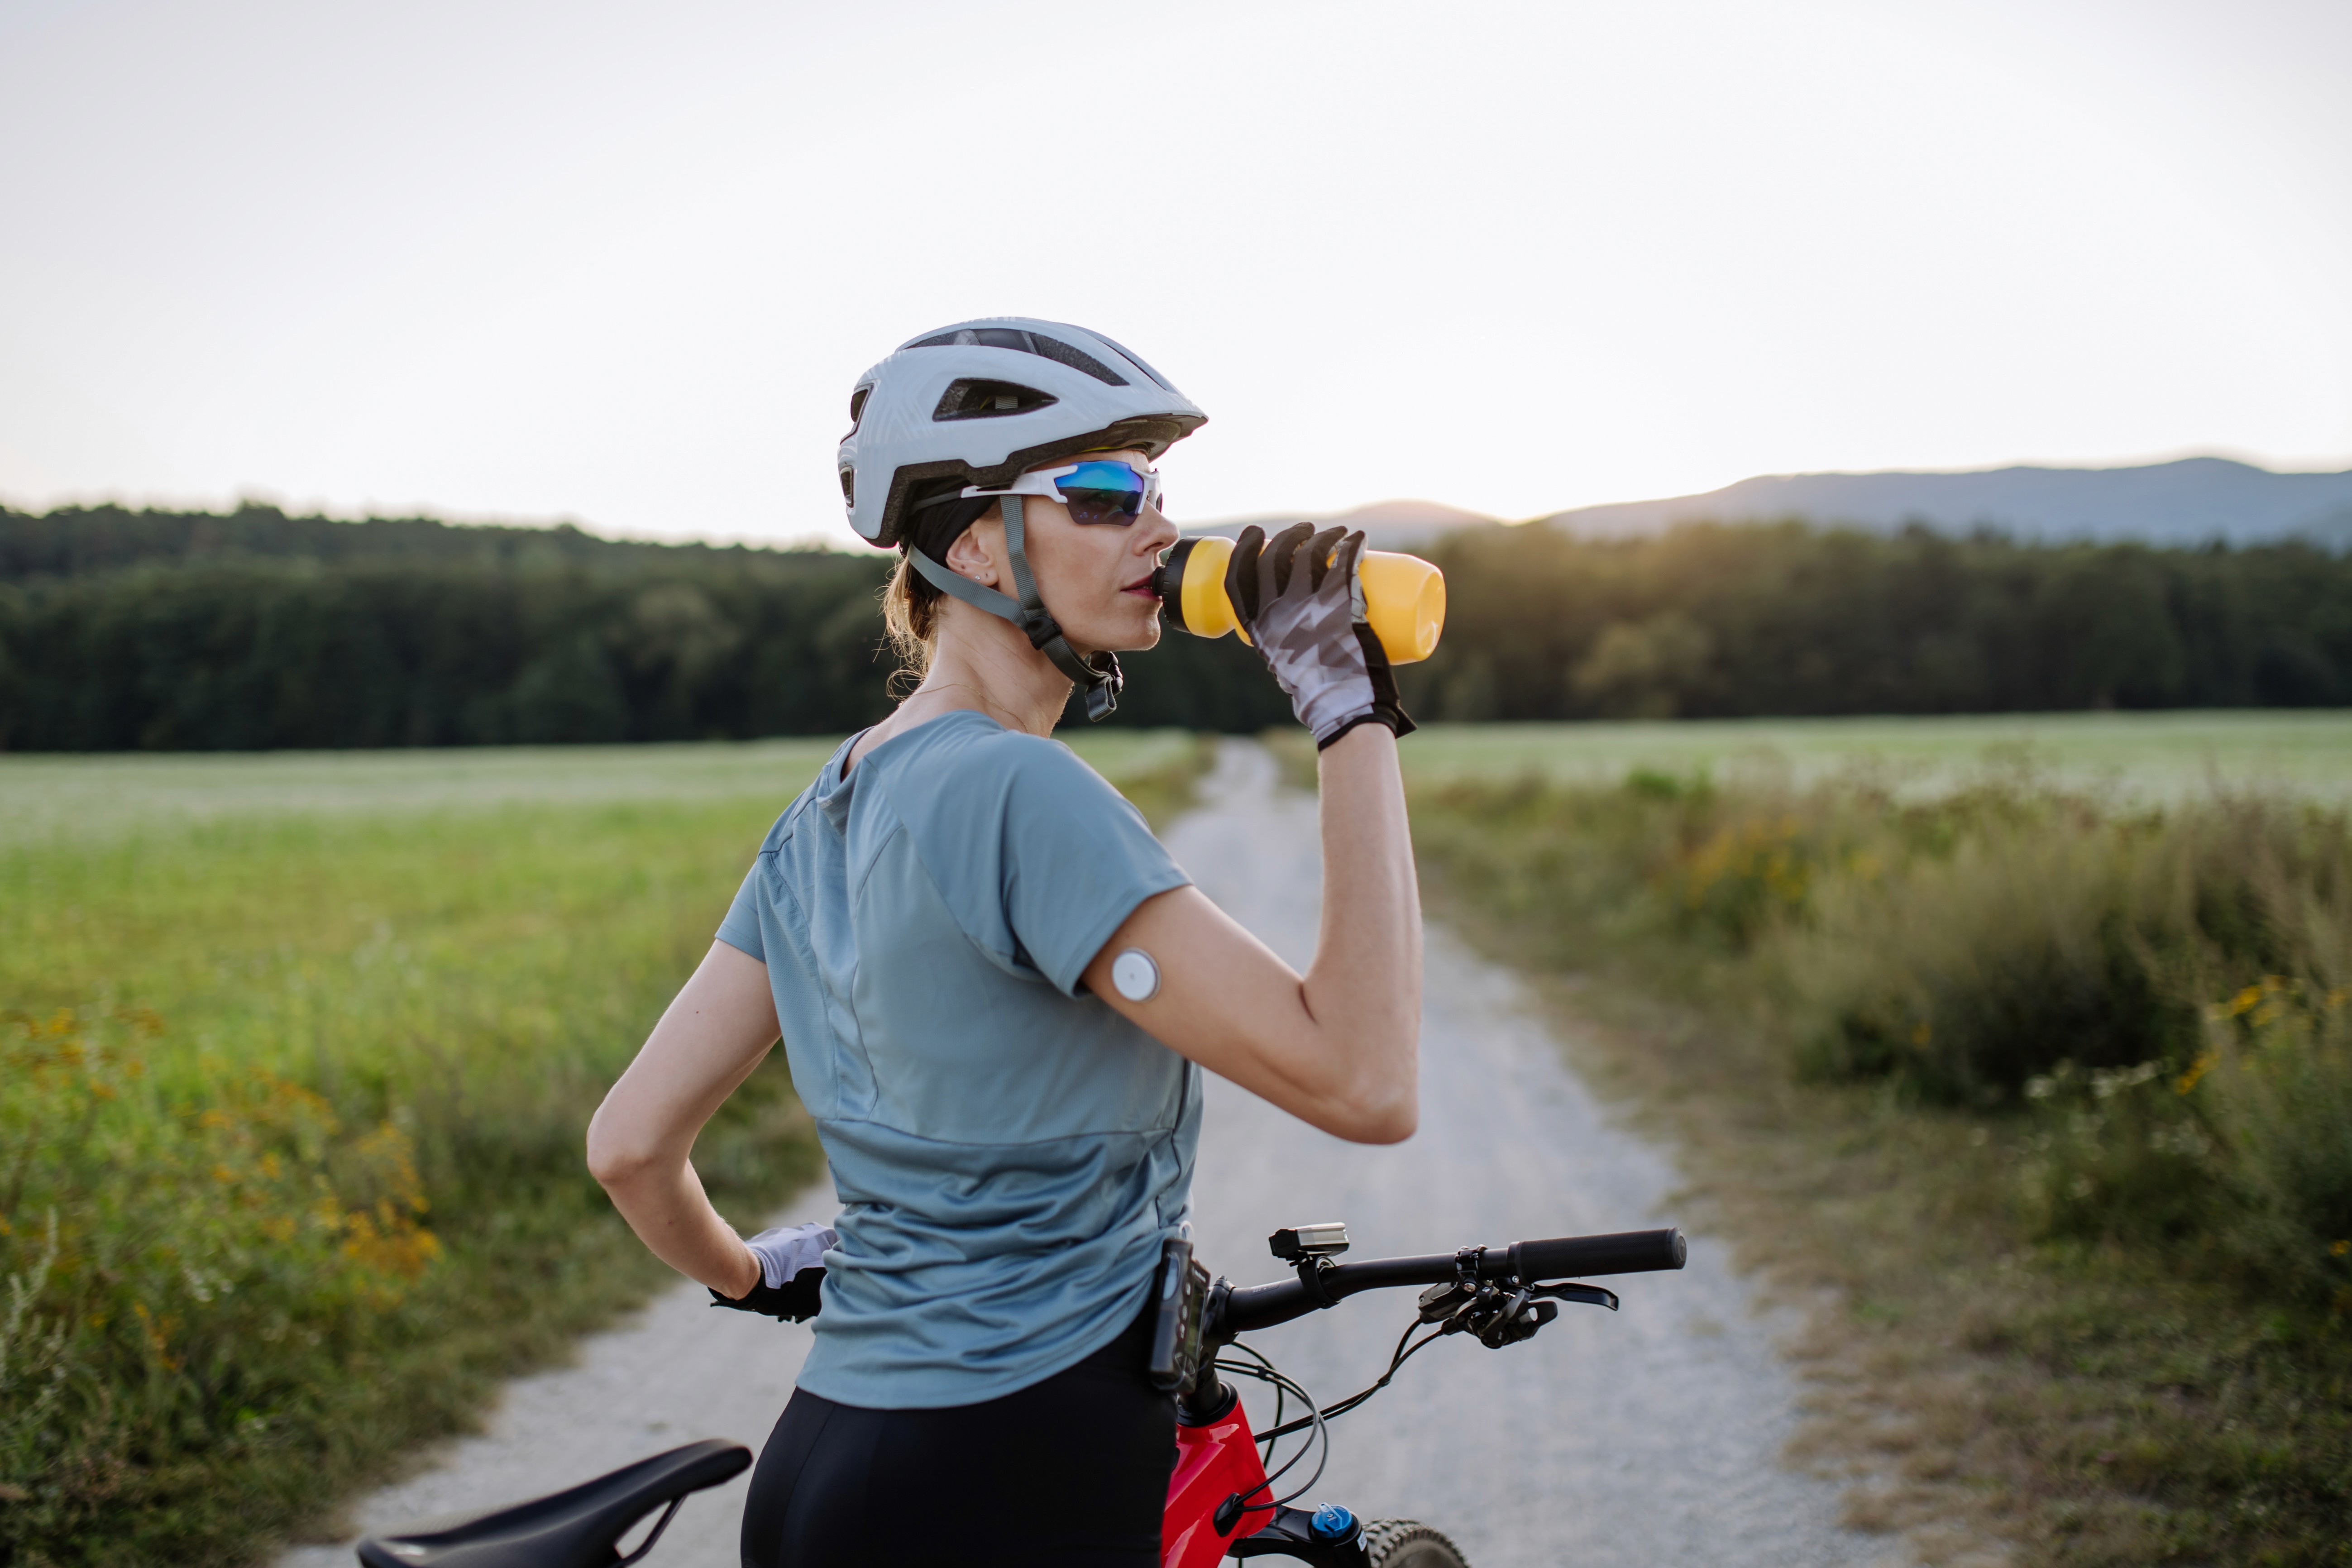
<point>1320,551</point>
<point>1240,572</point>
<point>1281,556</point>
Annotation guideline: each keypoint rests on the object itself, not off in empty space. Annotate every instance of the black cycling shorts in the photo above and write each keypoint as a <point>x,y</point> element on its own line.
<point>1072,1471</point>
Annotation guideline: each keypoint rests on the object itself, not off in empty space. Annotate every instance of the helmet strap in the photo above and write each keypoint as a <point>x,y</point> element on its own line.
<point>1099,674</point>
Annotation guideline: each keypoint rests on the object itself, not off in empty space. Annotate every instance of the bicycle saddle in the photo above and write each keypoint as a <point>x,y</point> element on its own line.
<point>574,1529</point>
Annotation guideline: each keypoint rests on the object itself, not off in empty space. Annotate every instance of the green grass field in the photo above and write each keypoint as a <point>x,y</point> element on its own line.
<point>296,1056</point>
<point>2155,755</point>
<point>142,793</point>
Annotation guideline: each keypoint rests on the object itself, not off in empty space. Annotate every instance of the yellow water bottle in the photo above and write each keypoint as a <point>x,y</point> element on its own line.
<point>1405,596</point>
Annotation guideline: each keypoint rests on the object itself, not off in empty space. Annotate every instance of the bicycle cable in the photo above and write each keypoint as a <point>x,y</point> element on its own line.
<point>1332,1412</point>
<point>1280,1395</point>
<point>1281,1381</point>
<point>1266,1372</point>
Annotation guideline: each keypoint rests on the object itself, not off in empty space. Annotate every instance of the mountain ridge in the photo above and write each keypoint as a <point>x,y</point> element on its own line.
<point>2189,501</point>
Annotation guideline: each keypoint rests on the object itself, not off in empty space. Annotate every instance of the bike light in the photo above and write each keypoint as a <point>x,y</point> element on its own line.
<point>1301,1242</point>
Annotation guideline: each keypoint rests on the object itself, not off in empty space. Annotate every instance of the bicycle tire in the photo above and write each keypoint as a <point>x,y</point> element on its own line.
<point>1408,1543</point>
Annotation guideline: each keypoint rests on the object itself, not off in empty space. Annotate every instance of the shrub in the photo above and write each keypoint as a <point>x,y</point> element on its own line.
<point>1963,975</point>
<point>177,1276</point>
<point>2243,1157</point>
<point>2006,948</point>
<point>2011,935</point>
<point>2275,1086</point>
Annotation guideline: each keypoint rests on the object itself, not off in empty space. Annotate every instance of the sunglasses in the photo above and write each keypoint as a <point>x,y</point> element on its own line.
<point>1100,491</point>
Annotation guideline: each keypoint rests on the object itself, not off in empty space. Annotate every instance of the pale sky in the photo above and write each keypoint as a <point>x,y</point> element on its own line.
<point>621,263</point>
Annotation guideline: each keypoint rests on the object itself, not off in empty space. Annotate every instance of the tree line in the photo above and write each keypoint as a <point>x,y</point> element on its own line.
<point>1785,619</point>
<point>253,630</point>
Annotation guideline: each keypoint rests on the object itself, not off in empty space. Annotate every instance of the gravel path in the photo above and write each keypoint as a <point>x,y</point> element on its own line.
<point>1648,1436</point>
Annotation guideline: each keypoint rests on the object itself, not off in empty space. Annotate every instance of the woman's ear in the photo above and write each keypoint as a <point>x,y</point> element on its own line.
<point>977,552</point>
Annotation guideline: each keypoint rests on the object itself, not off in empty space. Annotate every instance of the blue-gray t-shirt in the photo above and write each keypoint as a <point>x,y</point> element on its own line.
<point>1009,1152</point>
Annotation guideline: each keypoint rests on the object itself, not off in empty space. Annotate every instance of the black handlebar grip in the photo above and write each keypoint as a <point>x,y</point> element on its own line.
<point>1574,1256</point>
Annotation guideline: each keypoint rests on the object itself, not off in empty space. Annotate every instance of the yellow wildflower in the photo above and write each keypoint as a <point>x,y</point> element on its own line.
<point>2197,1069</point>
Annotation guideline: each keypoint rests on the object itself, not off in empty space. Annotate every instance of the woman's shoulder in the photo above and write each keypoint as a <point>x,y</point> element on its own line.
<point>970,744</point>
<point>828,779</point>
<point>972,763</point>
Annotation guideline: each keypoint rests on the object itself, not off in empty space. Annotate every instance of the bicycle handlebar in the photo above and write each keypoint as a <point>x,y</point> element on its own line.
<point>1626,1252</point>
<point>1247,1308</point>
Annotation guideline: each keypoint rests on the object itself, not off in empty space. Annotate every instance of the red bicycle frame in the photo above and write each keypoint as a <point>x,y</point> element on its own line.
<point>1215,1461</point>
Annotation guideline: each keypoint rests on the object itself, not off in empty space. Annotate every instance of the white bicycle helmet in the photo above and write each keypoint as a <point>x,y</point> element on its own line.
<point>980,403</point>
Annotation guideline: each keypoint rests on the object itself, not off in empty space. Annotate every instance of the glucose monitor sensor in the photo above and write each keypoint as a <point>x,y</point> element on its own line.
<point>1134,976</point>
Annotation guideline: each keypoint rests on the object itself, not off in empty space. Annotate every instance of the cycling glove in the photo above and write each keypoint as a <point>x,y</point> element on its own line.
<point>1309,625</point>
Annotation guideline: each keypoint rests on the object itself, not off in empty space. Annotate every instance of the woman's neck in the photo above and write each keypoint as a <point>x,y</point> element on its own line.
<point>984,661</point>
<point>985,664</point>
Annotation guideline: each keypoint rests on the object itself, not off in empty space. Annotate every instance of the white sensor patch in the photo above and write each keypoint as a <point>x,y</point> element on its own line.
<point>1134,976</point>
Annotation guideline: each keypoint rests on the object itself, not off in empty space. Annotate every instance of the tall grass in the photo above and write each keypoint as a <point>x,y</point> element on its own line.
<point>2038,930</point>
<point>2005,946</point>
<point>290,1113</point>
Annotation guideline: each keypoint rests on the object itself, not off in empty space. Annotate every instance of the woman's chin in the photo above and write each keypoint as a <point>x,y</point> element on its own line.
<point>1145,636</point>
<point>1128,634</point>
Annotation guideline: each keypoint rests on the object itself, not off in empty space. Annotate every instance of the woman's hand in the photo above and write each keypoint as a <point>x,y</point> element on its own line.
<point>719,1028</point>
<point>1340,1047</point>
<point>1302,602</point>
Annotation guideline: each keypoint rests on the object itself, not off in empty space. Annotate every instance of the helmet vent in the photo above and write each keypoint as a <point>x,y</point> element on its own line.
<point>1158,380</point>
<point>972,399</point>
<point>1076,359</point>
<point>849,486</point>
<point>1026,342</point>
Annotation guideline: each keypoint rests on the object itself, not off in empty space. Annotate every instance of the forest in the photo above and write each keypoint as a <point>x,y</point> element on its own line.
<point>252,630</point>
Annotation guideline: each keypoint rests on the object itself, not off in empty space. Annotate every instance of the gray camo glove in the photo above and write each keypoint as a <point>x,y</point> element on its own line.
<point>1298,596</point>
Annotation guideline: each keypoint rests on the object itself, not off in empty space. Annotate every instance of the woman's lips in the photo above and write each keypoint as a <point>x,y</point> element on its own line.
<point>1142,587</point>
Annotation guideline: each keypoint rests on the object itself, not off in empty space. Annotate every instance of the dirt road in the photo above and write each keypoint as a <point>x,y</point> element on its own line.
<point>1648,1437</point>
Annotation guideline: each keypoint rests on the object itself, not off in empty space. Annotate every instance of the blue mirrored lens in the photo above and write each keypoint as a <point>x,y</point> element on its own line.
<point>1105,492</point>
<point>1102,477</point>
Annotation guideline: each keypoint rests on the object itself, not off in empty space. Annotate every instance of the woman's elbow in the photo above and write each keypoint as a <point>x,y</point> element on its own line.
<point>1391,1119</point>
<point>613,1158</point>
<point>1391,1124</point>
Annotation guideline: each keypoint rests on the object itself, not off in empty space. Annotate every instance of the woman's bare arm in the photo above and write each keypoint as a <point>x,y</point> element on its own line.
<point>719,1028</point>
<point>1340,1047</point>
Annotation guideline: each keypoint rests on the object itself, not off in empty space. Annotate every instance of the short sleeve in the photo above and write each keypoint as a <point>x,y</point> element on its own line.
<point>741,928</point>
<point>1077,860</point>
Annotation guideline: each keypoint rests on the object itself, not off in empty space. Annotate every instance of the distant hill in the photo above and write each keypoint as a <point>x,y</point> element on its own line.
<point>1387,525</point>
<point>2186,502</point>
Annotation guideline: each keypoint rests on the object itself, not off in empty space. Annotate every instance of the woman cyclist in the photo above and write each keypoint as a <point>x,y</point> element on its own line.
<point>996,991</point>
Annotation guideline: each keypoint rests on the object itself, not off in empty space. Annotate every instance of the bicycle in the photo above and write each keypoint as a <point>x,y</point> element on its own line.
<point>1221,1483</point>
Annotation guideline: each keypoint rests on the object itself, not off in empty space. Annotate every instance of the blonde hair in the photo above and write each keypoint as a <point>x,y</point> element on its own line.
<point>910,606</point>
<point>910,618</point>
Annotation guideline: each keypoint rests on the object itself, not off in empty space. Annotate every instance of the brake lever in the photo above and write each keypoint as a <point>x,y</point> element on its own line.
<point>1590,1295</point>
